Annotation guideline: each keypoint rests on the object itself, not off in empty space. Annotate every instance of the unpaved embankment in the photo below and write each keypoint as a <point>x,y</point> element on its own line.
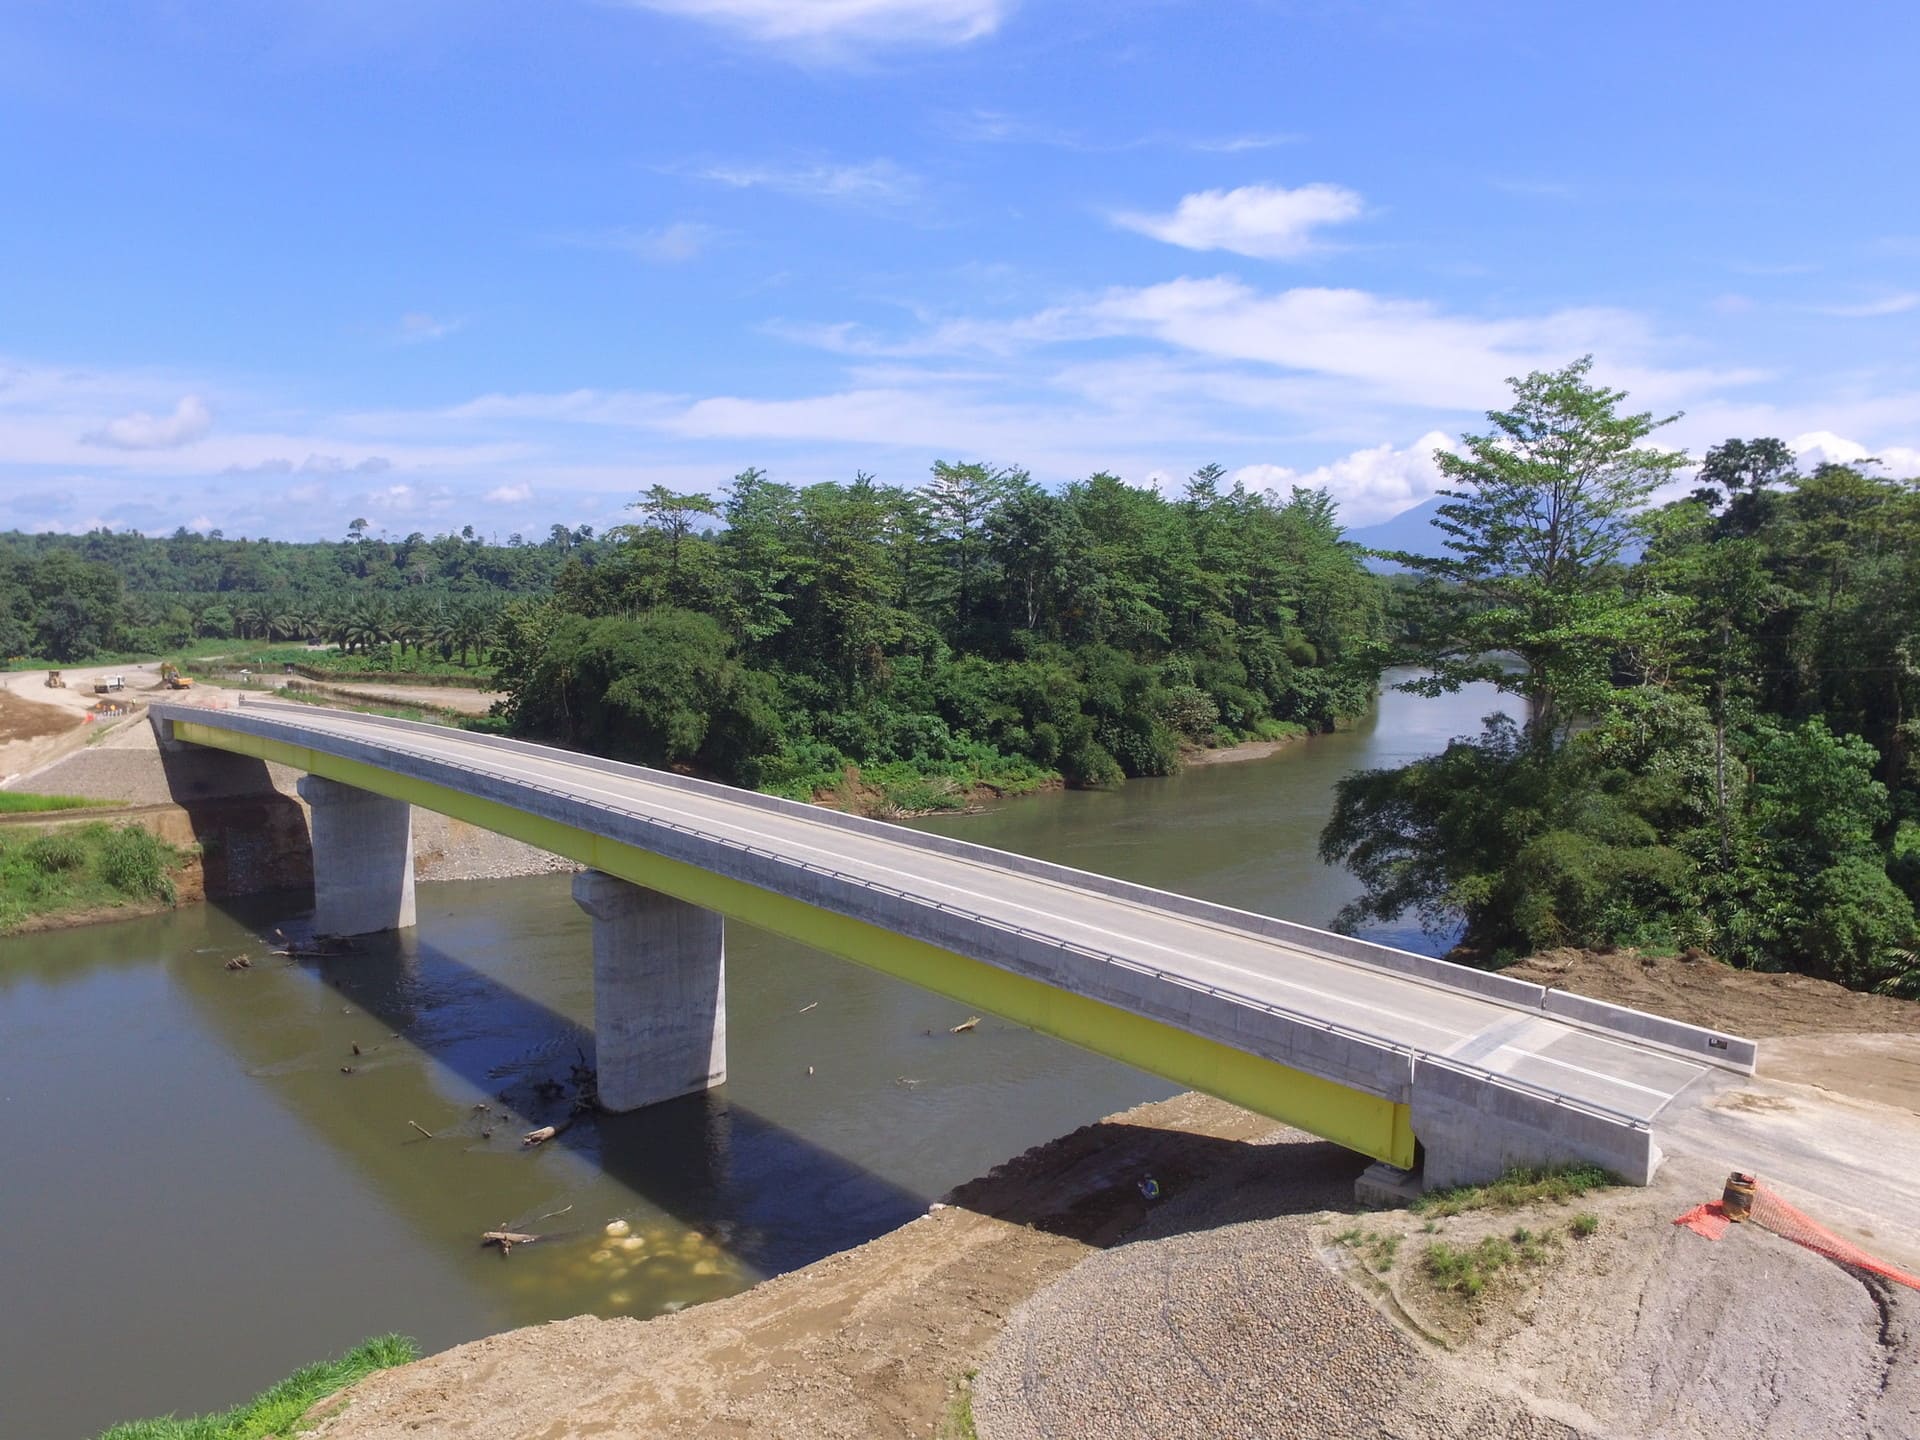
<point>1227,1309</point>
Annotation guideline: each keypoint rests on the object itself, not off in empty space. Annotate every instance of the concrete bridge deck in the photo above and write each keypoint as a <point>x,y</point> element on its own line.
<point>1368,1046</point>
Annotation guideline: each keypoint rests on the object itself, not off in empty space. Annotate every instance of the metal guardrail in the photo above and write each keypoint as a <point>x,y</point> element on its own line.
<point>298,729</point>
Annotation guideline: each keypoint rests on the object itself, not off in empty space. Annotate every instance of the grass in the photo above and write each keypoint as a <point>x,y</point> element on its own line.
<point>914,787</point>
<point>1515,1189</point>
<point>1584,1225</point>
<point>19,802</point>
<point>1467,1270</point>
<point>382,663</point>
<point>193,650</point>
<point>1377,1249</point>
<point>48,872</point>
<point>391,712</point>
<point>957,1423</point>
<point>277,1411</point>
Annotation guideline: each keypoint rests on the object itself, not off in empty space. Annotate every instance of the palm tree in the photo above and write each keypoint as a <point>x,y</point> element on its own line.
<point>443,632</point>
<point>472,630</point>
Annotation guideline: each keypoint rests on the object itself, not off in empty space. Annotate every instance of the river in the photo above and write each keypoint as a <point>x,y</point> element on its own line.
<point>203,1186</point>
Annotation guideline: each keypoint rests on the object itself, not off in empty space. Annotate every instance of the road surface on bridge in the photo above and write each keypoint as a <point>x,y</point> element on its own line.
<point>1105,938</point>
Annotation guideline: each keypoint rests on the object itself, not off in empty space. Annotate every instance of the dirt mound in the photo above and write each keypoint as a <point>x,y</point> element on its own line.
<point>1706,992</point>
<point>22,719</point>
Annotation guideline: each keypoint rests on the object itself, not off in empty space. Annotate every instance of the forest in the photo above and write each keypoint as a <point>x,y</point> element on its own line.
<point>976,630</point>
<point>1718,737</point>
<point>1719,745</point>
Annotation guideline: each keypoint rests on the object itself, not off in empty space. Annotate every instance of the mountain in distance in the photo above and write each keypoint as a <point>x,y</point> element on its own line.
<point>1411,530</point>
<point>1414,532</point>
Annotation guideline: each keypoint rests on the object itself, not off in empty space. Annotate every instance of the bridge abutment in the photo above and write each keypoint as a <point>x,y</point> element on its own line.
<point>659,992</point>
<point>362,859</point>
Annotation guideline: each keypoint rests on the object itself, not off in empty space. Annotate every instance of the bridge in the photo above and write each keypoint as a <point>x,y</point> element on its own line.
<point>1410,1060</point>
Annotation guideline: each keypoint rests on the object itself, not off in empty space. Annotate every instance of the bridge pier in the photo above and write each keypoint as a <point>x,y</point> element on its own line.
<point>659,992</point>
<point>362,859</point>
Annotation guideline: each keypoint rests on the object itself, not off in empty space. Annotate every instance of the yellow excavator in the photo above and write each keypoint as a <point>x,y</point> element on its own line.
<point>55,680</point>
<point>172,679</point>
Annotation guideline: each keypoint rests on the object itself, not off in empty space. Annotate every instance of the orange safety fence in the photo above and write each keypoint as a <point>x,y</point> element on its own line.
<point>1771,1213</point>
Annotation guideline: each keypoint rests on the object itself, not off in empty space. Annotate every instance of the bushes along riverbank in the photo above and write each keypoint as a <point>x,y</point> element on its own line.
<point>279,1410</point>
<point>82,868</point>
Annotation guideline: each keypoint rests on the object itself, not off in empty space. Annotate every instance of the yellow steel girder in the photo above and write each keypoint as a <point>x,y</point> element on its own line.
<point>1353,1118</point>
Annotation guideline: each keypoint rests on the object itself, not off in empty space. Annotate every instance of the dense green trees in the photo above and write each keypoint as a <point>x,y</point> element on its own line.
<point>65,598</point>
<point>1540,510</point>
<point>979,627</point>
<point>1722,735</point>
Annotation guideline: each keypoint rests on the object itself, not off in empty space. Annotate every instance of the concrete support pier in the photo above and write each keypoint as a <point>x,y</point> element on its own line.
<point>659,992</point>
<point>362,859</point>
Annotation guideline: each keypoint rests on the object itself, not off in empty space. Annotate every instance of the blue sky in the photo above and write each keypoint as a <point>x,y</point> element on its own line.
<point>447,262</point>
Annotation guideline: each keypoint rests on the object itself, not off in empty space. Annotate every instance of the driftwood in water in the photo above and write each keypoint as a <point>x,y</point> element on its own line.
<point>507,1239</point>
<point>545,1132</point>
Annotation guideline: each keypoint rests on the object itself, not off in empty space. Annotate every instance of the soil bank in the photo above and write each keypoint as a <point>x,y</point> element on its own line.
<point>1225,1309</point>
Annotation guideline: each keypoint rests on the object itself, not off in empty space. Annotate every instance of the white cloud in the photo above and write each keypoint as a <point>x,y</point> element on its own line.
<point>1408,352</point>
<point>201,524</point>
<point>1267,222</point>
<point>661,245</point>
<point>1821,447</point>
<point>510,494</point>
<point>189,421</point>
<point>1365,349</point>
<point>1238,144</point>
<point>1874,309</point>
<point>418,328</point>
<point>1371,484</point>
<point>839,26</point>
<point>591,407</point>
<point>312,465</point>
<point>874,184</point>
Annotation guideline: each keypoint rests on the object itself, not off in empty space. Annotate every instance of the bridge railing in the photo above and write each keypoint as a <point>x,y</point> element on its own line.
<point>1694,1042</point>
<point>568,806</point>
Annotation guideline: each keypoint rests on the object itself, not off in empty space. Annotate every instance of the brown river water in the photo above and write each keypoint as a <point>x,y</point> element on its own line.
<point>196,1199</point>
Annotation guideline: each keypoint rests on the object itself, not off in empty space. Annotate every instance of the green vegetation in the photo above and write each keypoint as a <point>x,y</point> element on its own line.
<point>957,1423</point>
<point>1467,1269</point>
<point>977,631</point>
<point>387,660</point>
<point>415,604</point>
<point>1718,748</point>
<point>1519,1187</point>
<point>79,867</point>
<point>277,1412</point>
<point>1585,1225</point>
<point>359,707</point>
<point>19,802</point>
<point>1378,1248</point>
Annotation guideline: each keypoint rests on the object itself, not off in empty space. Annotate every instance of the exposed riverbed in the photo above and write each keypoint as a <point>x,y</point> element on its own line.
<point>197,1199</point>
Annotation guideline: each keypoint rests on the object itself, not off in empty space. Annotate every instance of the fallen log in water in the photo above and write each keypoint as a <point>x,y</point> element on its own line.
<point>507,1239</point>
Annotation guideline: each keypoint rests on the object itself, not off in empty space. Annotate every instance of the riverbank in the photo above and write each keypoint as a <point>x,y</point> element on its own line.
<point>1049,1298</point>
<point>87,871</point>
<point>190,801</point>
<point>241,822</point>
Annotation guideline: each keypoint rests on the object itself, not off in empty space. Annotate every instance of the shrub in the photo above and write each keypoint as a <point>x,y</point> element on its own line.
<point>134,861</point>
<point>56,852</point>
